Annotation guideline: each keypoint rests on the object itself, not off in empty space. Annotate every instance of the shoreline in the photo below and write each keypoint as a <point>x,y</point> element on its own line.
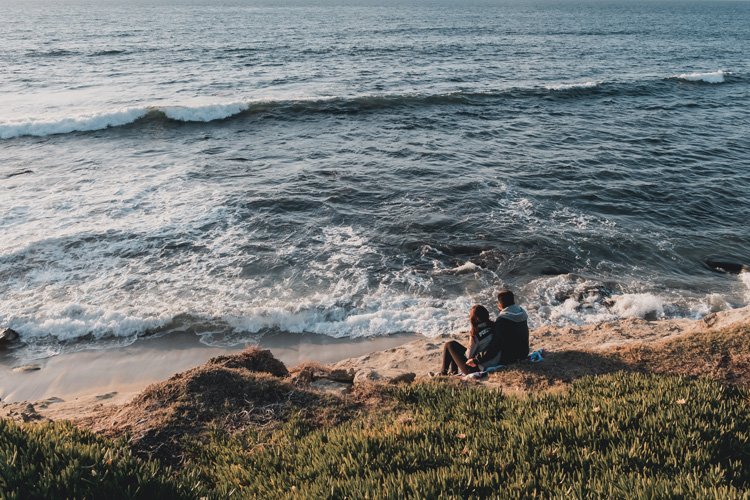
<point>116,375</point>
<point>80,385</point>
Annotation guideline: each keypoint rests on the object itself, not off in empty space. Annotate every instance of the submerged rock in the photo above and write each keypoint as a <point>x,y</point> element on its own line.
<point>725,266</point>
<point>8,336</point>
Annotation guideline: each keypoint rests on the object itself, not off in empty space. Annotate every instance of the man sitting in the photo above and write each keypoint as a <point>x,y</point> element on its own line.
<point>510,333</point>
<point>511,328</point>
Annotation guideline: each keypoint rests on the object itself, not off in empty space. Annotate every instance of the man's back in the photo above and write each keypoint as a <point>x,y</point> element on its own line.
<point>512,327</point>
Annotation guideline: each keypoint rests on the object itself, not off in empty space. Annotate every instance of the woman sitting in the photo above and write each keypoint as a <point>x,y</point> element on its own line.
<point>483,348</point>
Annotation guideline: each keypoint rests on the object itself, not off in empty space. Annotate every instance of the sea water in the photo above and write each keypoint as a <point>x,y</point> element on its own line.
<point>352,168</point>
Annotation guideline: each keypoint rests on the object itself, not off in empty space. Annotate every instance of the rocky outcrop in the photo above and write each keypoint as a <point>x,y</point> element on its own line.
<point>7,337</point>
<point>725,266</point>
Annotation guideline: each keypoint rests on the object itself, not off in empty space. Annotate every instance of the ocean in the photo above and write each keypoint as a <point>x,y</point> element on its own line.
<point>231,169</point>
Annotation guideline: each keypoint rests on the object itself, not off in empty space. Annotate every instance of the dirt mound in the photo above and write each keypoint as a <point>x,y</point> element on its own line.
<point>254,360</point>
<point>720,354</point>
<point>229,392</point>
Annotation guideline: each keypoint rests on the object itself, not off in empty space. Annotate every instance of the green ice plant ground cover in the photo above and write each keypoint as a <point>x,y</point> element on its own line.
<point>618,435</point>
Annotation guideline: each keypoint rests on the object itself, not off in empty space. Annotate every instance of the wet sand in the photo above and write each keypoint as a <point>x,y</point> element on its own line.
<point>77,385</point>
<point>115,375</point>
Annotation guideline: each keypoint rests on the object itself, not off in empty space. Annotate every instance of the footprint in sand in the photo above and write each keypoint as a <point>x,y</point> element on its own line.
<point>108,395</point>
<point>50,401</point>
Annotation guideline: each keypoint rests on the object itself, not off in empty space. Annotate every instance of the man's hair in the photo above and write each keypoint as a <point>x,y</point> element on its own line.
<point>505,297</point>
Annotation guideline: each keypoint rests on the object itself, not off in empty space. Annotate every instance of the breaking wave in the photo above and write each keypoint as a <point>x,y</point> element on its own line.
<point>710,77</point>
<point>344,105</point>
<point>573,86</point>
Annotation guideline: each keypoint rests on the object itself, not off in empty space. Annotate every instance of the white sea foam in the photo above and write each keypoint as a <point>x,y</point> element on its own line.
<point>88,290</point>
<point>745,278</point>
<point>204,113</point>
<point>715,302</point>
<point>97,121</point>
<point>570,86</point>
<point>72,321</point>
<point>465,268</point>
<point>638,305</point>
<point>710,77</point>
<point>566,299</point>
<point>67,279</point>
<point>386,314</point>
<point>78,123</point>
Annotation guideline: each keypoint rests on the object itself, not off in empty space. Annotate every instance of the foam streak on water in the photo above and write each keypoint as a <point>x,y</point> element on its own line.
<point>710,77</point>
<point>359,170</point>
<point>201,112</point>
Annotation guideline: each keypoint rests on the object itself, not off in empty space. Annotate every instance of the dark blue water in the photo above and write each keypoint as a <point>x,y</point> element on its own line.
<point>353,170</point>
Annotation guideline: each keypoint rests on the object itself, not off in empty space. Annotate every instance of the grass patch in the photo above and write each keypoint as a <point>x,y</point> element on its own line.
<point>616,435</point>
<point>57,460</point>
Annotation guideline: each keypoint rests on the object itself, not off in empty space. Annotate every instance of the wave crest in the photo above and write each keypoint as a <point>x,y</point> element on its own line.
<point>573,86</point>
<point>80,123</point>
<point>121,117</point>
<point>204,113</point>
<point>710,77</point>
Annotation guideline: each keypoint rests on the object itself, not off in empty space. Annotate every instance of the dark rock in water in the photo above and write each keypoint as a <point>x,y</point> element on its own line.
<point>595,293</point>
<point>586,294</point>
<point>8,336</point>
<point>650,316</point>
<point>254,360</point>
<point>724,266</point>
<point>551,271</point>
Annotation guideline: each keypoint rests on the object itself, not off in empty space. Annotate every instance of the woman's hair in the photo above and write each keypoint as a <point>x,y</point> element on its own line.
<point>478,314</point>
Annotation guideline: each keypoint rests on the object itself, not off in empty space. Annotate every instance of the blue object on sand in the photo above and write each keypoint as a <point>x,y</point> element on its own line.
<point>537,356</point>
<point>493,369</point>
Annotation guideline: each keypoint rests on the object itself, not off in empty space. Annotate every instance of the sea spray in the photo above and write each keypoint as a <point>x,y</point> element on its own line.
<point>709,77</point>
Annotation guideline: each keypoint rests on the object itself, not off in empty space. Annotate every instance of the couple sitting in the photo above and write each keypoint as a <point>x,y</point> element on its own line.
<point>501,342</point>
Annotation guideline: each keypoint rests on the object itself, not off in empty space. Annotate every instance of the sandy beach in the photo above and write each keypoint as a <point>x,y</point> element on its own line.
<point>78,385</point>
<point>72,384</point>
<point>240,414</point>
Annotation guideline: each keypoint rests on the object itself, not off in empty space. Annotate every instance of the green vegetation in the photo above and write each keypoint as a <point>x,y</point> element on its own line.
<point>618,435</point>
<point>59,461</point>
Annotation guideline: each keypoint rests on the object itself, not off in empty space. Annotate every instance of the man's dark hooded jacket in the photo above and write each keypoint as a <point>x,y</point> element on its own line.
<point>511,336</point>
